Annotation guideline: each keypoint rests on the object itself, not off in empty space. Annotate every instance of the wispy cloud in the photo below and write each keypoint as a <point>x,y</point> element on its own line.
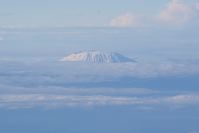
<point>64,100</point>
<point>186,99</point>
<point>60,101</point>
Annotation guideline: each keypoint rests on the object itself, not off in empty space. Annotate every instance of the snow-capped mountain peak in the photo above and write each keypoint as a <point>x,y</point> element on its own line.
<point>96,57</point>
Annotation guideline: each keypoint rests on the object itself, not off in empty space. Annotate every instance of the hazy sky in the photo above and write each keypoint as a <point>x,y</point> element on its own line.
<point>89,13</point>
<point>162,27</point>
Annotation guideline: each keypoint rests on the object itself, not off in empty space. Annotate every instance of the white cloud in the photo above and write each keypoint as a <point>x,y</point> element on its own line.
<point>23,85</point>
<point>126,20</point>
<point>55,74</point>
<point>186,99</point>
<point>177,12</point>
<point>1,38</point>
<point>51,101</point>
<point>59,101</point>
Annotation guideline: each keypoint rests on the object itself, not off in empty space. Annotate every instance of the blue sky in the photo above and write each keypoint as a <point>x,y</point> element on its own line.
<point>88,13</point>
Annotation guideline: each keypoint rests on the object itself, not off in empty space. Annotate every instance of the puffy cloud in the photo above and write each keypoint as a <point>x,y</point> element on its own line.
<point>126,20</point>
<point>178,13</point>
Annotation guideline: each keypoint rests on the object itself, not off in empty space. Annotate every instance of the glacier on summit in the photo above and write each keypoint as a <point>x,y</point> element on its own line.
<point>97,57</point>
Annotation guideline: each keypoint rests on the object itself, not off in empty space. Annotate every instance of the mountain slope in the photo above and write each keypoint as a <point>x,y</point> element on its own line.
<point>96,57</point>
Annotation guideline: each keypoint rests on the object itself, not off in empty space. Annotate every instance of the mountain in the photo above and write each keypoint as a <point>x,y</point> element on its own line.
<point>97,57</point>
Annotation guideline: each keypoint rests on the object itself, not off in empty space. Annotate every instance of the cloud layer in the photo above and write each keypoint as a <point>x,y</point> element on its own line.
<point>50,83</point>
<point>61,101</point>
<point>41,73</point>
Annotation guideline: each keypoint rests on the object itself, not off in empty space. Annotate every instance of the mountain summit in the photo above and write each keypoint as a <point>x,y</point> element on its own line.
<point>97,57</point>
